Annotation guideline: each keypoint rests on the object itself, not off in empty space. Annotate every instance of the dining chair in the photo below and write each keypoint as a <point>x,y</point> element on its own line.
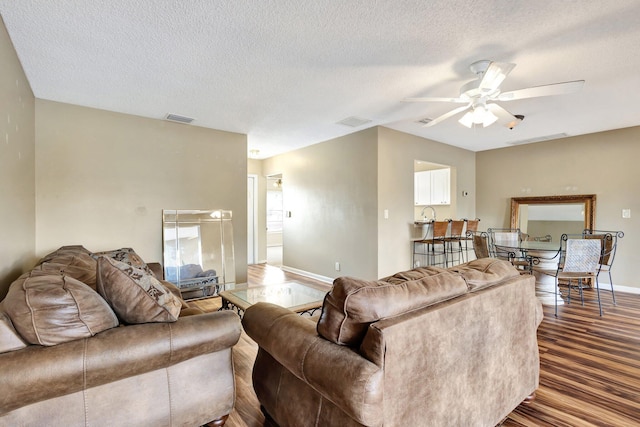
<point>480,241</point>
<point>471,226</point>
<point>579,260</point>
<point>609,243</point>
<point>504,244</point>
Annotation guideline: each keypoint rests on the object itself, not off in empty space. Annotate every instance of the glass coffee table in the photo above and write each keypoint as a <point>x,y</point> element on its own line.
<point>297,297</point>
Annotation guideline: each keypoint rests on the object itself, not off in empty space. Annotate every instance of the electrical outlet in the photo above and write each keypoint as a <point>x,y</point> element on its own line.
<point>337,266</point>
<point>626,213</point>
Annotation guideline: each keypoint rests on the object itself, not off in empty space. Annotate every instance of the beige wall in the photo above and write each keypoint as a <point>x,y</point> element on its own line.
<point>331,190</point>
<point>396,154</point>
<point>338,191</point>
<point>103,178</point>
<point>17,167</point>
<point>605,164</point>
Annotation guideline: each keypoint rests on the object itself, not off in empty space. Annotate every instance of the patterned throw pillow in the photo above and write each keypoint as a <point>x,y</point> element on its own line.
<point>126,255</point>
<point>135,294</point>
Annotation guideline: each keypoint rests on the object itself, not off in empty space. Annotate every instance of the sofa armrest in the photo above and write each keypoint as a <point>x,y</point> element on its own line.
<point>337,372</point>
<point>157,269</point>
<point>38,373</point>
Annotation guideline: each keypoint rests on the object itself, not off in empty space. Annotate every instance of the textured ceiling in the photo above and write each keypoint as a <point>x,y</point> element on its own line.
<point>284,72</point>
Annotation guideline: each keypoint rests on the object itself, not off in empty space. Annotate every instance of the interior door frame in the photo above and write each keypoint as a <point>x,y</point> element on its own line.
<point>252,219</point>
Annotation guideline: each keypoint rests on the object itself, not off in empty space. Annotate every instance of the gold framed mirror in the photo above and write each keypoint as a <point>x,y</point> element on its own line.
<point>585,204</point>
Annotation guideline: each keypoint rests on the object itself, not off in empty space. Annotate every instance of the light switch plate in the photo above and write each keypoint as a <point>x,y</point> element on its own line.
<point>626,213</point>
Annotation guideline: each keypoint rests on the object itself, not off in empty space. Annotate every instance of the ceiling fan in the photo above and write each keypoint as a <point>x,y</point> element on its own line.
<point>480,95</point>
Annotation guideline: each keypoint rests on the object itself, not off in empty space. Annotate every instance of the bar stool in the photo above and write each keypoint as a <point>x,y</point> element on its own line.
<point>454,243</point>
<point>438,240</point>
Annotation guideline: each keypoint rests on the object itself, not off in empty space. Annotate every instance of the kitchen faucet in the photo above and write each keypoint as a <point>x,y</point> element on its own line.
<point>433,212</point>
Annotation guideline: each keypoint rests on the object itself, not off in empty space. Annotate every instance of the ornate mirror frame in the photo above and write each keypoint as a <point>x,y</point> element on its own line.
<point>589,201</point>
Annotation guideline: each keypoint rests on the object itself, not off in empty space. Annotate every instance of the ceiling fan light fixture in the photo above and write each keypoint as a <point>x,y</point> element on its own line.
<point>479,113</point>
<point>489,119</point>
<point>467,119</point>
<point>479,116</point>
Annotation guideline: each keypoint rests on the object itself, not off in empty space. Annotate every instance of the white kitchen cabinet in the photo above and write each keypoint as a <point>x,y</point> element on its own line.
<point>441,186</point>
<point>432,187</point>
<point>422,188</point>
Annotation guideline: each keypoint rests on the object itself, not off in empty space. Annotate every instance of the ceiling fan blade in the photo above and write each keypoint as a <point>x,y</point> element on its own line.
<point>446,115</point>
<point>495,75</point>
<point>545,90</point>
<point>432,99</point>
<point>504,117</point>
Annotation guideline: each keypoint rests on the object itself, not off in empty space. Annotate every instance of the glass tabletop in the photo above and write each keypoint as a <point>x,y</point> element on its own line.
<point>539,246</point>
<point>288,295</point>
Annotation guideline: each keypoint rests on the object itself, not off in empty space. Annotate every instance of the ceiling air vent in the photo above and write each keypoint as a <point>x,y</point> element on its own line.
<point>539,139</point>
<point>353,122</point>
<point>179,119</point>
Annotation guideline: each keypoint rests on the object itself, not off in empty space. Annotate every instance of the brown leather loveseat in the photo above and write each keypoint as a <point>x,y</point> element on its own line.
<point>98,339</point>
<point>426,347</point>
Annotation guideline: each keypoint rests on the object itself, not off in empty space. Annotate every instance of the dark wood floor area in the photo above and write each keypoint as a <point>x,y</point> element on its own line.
<point>589,365</point>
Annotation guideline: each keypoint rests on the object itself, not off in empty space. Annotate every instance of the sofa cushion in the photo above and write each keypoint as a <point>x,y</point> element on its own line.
<point>72,261</point>
<point>65,251</point>
<point>72,267</point>
<point>353,304</point>
<point>9,339</point>
<point>50,309</point>
<point>415,274</point>
<point>135,294</point>
<point>484,272</point>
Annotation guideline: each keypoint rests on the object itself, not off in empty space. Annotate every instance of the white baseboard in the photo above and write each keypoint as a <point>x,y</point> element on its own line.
<point>324,279</point>
<point>616,288</point>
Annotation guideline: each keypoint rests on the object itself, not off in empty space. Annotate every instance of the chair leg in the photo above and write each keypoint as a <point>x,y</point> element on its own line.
<point>598,292</point>
<point>581,291</point>
<point>611,283</point>
<point>556,292</point>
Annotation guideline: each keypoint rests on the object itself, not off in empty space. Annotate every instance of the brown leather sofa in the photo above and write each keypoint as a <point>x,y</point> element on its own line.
<point>86,340</point>
<point>426,347</point>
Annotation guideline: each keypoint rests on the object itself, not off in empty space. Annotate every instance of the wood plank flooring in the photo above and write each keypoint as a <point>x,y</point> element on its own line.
<point>589,365</point>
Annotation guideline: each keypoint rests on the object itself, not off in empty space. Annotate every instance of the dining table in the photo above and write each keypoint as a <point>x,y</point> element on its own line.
<point>543,260</point>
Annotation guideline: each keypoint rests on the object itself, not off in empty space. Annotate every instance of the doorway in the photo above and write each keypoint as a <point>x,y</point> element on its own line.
<point>252,219</point>
<point>275,216</point>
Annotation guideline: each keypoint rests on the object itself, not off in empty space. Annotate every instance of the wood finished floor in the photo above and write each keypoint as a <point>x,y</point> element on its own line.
<point>589,365</point>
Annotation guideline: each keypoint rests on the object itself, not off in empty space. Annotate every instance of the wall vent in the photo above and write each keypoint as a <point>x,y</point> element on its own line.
<point>539,139</point>
<point>179,119</point>
<point>353,122</point>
